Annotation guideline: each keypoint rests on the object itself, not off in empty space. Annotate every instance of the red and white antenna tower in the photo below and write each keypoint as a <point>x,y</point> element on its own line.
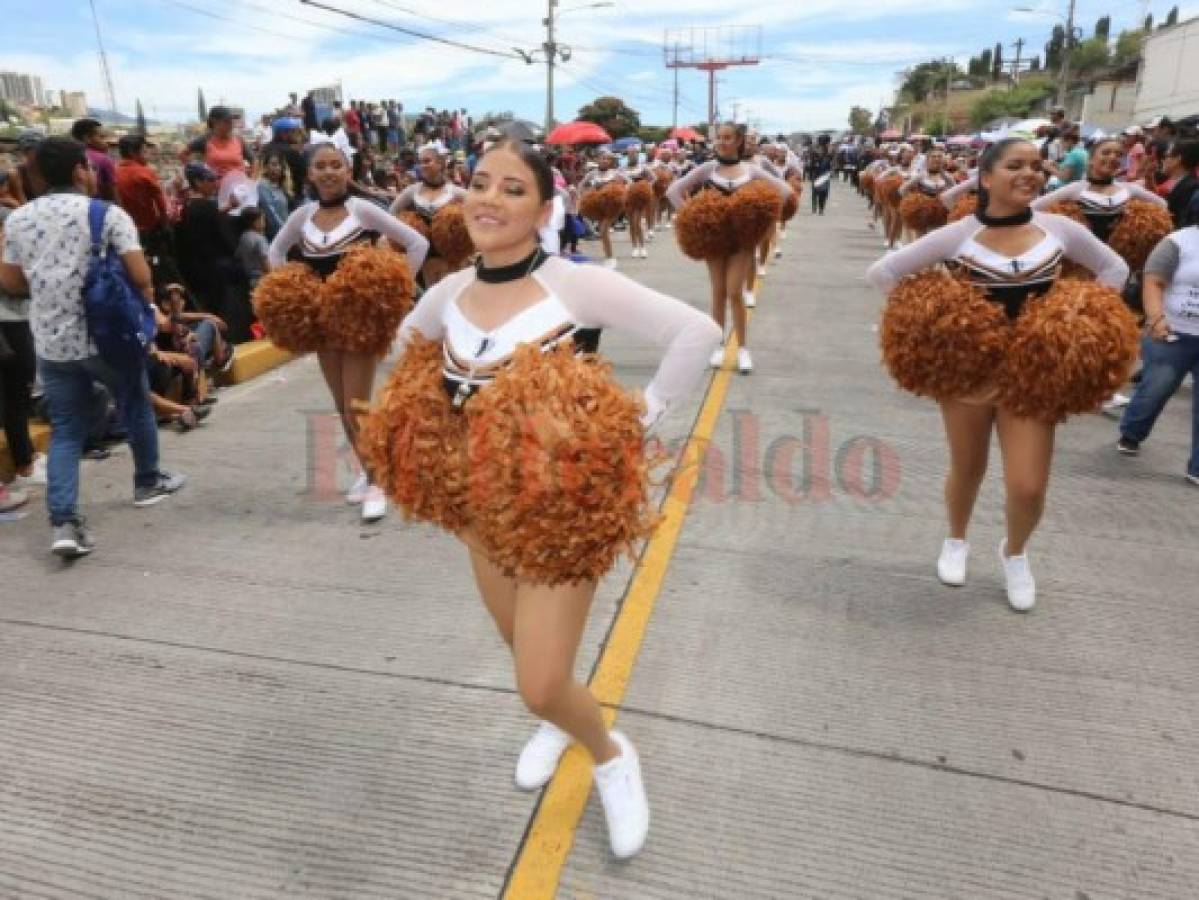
<point>712,50</point>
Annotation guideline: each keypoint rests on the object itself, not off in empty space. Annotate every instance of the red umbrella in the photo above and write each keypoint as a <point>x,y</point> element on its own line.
<point>686,134</point>
<point>579,133</point>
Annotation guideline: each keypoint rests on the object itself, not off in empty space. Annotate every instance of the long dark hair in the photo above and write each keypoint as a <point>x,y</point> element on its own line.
<point>741,131</point>
<point>988,161</point>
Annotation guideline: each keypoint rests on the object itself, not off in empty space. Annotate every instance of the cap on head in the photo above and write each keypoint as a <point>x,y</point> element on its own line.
<point>196,171</point>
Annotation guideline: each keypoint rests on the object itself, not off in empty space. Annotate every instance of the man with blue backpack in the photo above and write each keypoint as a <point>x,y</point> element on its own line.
<point>79,261</point>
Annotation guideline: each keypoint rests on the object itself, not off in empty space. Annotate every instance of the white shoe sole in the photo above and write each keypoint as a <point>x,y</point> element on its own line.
<point>69,549</point>
<point>150,501</point>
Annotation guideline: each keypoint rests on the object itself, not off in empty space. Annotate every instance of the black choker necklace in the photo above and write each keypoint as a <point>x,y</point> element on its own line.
<point>727,161</point>
<point>333,201</point>
<point>1020,218</point>
<point>514,272</point>
<point>433,184</point>
<point>1102,182</point>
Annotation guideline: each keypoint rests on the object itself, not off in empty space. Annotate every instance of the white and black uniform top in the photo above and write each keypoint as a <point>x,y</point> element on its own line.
<point>767,165</point>
<point>969,186</point>
<point>299,238</point>
<point>707,176</point>
<point>577,299</point>
<point>1102,211</point>
<point>639,172</point>
<point>1005,279</point>
<point>426,207</point>
<point>929,185</point>
<point>597,179</point>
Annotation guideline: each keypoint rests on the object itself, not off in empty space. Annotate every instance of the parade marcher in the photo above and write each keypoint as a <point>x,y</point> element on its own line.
<point>920,208</point>
<point>321,234</point>
<point>464,341</point>
<point>1170,346</point>
<point>426,199</point>
<point>601,199</point>
<point>1005,256</point>
<point>886,187</point>
<point>723,226</point>
<point>639,198</point>
<point>820,171</point>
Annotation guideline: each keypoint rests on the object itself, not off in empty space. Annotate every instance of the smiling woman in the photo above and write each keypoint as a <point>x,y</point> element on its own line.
<point>551,486</point>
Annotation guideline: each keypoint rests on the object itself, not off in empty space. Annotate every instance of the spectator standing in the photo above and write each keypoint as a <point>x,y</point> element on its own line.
<point>205,245</point>
<point>18,368</point>
<point>46,252</point>
<point>395,125</point>
<point>353,125</point>
<point>1132,167</point>
<point>220,149</point>
<point>308,112</point>
<point>288,144</point>
<point>140,194</point>
<point>275,193</point>
<point>27,185</point>
<point>1170,346</point>
<point>93,136</point>
<point>1074,158</point>
<point>1182,159</point>
<point>263,134</point>
<point>252,247</point>
<point>379,124</point>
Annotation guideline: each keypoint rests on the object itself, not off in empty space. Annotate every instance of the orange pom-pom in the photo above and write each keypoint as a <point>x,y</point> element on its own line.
<point>1070,350</point>
<point>967,205</point>
<point>922,213</point>
<point>288,303</point>
<point>702,226</point>
<point>416,222</point>
<point>414,441</point>
<point>603,204</point>
<point>1067,208</point>
<point>753,213</point>
<point>942,338</point>
<point>662,181</point>
<point>639,196</point>
<point>450,236</point>
<point>790,208</point>
<point>796,185</point>
<point>364,301</point>
<point>886,190</point>
<point>866,183</point>
<point>1139,230</point>
<point>559,482</point>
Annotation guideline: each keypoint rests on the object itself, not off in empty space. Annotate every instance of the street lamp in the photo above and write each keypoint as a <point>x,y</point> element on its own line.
<point>552,51</point>
<point>1064,73</point>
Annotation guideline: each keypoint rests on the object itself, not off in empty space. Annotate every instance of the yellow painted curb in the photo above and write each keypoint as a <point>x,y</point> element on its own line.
<point>538,867</point>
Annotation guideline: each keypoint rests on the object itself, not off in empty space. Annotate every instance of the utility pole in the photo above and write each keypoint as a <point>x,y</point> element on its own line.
<point>109,90</point>
<point>1064,76</point>
<point>713,50</point>
<point>675,118</point>
<point>1019,45</point>
<point>948,89</point>
<point>551,53</point>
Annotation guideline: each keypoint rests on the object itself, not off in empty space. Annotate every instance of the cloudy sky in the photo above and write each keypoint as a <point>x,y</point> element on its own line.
<point>818,56</point>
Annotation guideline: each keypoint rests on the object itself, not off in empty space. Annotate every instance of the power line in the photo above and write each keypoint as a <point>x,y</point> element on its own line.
<point>456,23</point>
<point>411,32</point>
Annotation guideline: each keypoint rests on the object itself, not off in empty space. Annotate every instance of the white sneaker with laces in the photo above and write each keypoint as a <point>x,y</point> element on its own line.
<point>1017,575</point>
<point>37,476</point>
<point>716,360</point>
<point>745,362</point>
<point>622,793</point>
<point>761,271</point>
<point>374,505</point>
<point>357,492</point>
<point>748,298</point>
<point>539,759</point>
<point>951,566</point>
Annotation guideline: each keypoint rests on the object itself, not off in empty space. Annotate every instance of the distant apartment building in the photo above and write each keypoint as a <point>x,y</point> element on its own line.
<point>17,87</point>
<point>74,103</point>
<point>1169,79</point>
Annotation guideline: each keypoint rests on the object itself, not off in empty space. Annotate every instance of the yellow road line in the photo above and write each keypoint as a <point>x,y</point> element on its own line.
<point>538,867</point>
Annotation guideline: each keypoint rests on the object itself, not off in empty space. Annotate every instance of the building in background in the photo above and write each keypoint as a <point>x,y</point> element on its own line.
<point>74,102</point>
<point>17,87</point>
<point>1169,79</point>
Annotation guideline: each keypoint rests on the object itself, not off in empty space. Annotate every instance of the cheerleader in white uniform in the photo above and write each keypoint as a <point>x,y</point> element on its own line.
<point>426,198</point>
<point>519,295</point>
<point>603,176</point>
<point>638,203</point>
<point>930,182</point>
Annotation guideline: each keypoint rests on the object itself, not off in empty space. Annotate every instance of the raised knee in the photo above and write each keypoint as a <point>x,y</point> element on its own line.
<point>539,693</point>
<point>1026,492</point>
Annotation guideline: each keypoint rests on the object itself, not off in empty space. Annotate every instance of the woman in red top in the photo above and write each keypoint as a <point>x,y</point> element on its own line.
<point>220,149</point>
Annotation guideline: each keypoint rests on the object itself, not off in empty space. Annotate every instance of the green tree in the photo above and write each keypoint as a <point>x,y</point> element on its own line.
<point>937,124</point>
<point>1034,65</point>
<point>141,118</point>
<point>1055,48</point>
<point>997,63</point>
<point>1103,28</point>
<point>201,106</point>
<point>984,63</point>
<point>613,115</point>
<point>1148,26</point>
<point>1128,46</point>
<point>1017,102</point>
<point>1089,55</point>
<point>1171,17</point>
<point>860,120</point>
<point>927,77</point>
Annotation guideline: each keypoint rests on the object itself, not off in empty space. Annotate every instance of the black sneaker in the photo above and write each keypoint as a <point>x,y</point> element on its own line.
<point>71,540</point>
<point>166,485</point>
<point>1128,446</point>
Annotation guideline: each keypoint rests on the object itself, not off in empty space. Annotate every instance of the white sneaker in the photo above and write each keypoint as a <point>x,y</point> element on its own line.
<point>645,252</point>
<point>622,793</point>
<point>1021,587</point>
<point>951,566</point>
<point>610,263</point>
<point>761,271</point>
<point>35,477</point>
<point>748,298</point>
<point>778,252</point>
<point>745,362</point>
<point>539,759</point>
<point>357,492</point>
<point>716,360</point>
<point>374,505</point>
<point>667,225</point>
<point>649,235</point>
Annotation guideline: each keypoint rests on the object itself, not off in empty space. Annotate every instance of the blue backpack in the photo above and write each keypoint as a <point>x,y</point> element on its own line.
<point>119,319</point>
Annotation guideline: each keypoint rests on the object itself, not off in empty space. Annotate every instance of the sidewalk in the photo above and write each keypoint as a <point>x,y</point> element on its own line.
<point>244,693</point>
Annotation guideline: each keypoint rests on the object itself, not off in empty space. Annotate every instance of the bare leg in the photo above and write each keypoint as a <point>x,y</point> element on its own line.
<point>738,264</point>
<point>549,625</point>
<point>968,431</point>
<point>605,230</point>
<point>497,590</point>
<point>357,380</point>
<point>1027,448</point>
<point>635,236</point>
<point>718,274</point>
